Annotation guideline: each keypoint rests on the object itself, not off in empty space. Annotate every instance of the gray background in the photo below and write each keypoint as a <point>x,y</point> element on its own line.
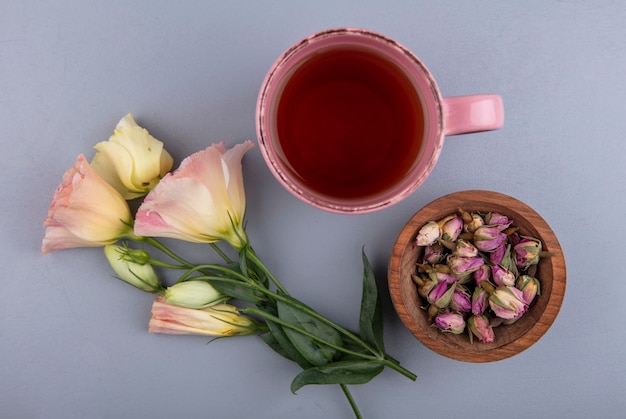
<point>74,341</point>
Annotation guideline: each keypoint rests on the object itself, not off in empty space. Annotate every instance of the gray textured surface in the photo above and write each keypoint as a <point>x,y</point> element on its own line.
<point>73,341</point>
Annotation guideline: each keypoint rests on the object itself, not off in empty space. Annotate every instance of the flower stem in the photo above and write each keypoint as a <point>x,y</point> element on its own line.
<point>348,395</point>
<point>251,255</point>
<point>278,320</point>
<point>158,245</point>
<point>400,369</point>
<point>220,252</point>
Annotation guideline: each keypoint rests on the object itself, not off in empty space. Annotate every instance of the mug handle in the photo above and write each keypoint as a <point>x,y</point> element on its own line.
<point>472,113</point>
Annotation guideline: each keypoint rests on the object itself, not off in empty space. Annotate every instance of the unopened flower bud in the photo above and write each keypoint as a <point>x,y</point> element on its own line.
<point>139,275</point>
<point>450,322</point>
<point>480,301</point>
<point>461,300</point>
<point>479,326</point>
<point>529,286</point>
<point>441,295</point>
<point>497,255</point>
<point>495,218</point>
<point>464,265</point>
<point>424,285</point>
<point>502,276</point>
<point>527,252</point>
<point>508,303</point>
<point>194,294</point>
<point>488,238</point>
<point>428,234</point>
<point>471,221</point>
<point>219,320</point>
<point>482,274</point>
<point>434,253</point>
<point>465,249</point>
<point>451,226</point>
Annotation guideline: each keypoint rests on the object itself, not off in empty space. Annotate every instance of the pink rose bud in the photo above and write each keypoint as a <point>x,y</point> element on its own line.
<point>480,301</point>
<point>451,226</point>
<point>441,295</point>
<point>502,276</point>
<point>479,326</point>
<point>482,274</point>
<point>434,253</point>
<point>461,300</point>
<point>450,322</point>
<point>497,255</point>
<point>529,286</point>
<point>508,303</point>
<point>465,249</point>
<point>464,265</point>
<point>495,218</point>
<point>527,252</point>
<point>489,237</point>
<point>428,234</point>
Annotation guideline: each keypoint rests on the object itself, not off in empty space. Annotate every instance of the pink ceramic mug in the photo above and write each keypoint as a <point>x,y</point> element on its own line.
<point>350,121</point>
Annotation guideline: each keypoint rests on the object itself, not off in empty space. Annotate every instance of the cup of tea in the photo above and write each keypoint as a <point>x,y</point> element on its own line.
<point>350,121</point>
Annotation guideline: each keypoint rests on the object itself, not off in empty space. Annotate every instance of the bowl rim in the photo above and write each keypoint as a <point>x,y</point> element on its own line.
<point>483,201</point>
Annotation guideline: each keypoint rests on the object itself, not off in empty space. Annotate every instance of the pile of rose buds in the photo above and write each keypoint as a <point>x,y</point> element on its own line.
<point>476,270</point>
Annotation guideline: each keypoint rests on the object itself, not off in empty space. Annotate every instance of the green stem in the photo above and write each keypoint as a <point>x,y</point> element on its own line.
<point>158,245</point>
<point>348,395</point>
<point>250,254</point>
<point>278,320</point>
<point>400,369</point>
<point>219,268</point>
<point>220,253</point>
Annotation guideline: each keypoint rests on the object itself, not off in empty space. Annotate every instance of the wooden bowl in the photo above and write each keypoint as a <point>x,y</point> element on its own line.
<point>509,339</point>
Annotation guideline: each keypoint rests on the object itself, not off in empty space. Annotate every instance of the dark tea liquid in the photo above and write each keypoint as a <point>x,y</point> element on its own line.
<point>350,123</point>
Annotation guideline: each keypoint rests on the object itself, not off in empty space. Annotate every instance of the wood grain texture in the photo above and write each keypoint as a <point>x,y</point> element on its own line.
<point>511,339</point>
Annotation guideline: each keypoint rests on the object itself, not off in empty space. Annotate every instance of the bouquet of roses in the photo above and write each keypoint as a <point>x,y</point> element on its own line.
<point>203,201</point>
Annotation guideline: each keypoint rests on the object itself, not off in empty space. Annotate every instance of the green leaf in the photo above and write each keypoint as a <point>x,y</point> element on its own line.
<point>280,343</point>
<point>343,372</point>
<point>313,351</point>
<point>371,317</point>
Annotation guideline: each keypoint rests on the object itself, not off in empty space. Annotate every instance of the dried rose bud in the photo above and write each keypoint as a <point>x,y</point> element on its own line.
<point>508,303</point>
<point>439,273</point>
<point>450,322</point>
<point>465,249</point>
<point>441,295</point>
<point>428,234</point>
<point>529,286</point>
<point>464,265</point>
<point>502,276</point>
<point>479,326</point>
<point>446,277</point>
<point>461,300</point>
<point>495,218</point>
<point>482,274</point>
<point>471,221</point>
<point>480,300</point>
<point>488,238</point>
<point>497,255</point>
<point>451,226</point>
<point>424,284</point>
<point>527,252</point>
<point>434,253</point>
